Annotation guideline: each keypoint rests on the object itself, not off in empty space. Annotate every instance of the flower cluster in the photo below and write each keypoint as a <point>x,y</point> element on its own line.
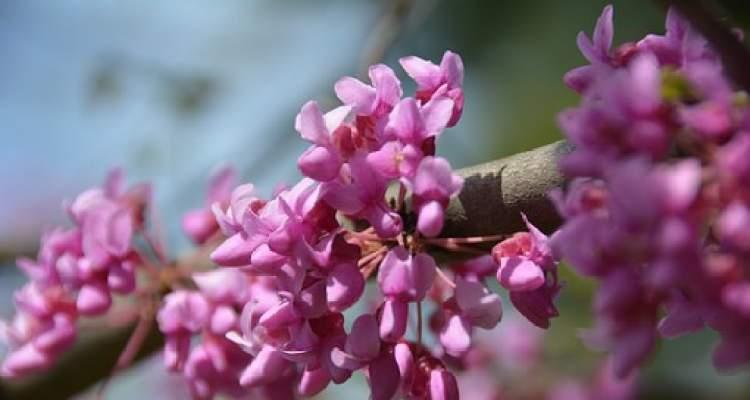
<point>271,321</point>
<point>213,365</point>
<point>372,203</point>
<point>658,205</point>
<point>75,273</point>
<point>312,269</point>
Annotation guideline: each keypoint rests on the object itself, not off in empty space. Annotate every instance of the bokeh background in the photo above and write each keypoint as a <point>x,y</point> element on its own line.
<point>171,89</point>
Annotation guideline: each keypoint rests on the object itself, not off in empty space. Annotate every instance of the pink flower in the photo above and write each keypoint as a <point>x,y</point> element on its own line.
<point>406,277</point>
<point>432,188</point>
<point>433,80</point>
<point>376,100</point>
<point>596,52</point>
<point>472,305</point>
<point>361,193</point>
<point>363,348</point>
<point>402,278</point>
<point>322,161</point>
<point>412,124</point>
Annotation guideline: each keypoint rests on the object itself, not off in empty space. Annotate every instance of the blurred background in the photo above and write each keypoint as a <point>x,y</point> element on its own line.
<point>170,90</point>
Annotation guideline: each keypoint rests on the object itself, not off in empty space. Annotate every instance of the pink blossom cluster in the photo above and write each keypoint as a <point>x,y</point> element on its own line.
<point>658,207</point>
<point>75,274</point>
<point>213,365</point>
<point>278,319</point>
<point>371,204</point>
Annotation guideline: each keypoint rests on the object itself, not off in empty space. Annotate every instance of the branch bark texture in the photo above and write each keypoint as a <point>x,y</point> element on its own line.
<point>497,192</point>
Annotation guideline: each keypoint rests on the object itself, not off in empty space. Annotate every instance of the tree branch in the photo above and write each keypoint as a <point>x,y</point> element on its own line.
<point>497,192</point>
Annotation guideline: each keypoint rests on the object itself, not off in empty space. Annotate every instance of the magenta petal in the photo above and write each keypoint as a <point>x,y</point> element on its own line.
<point>386,84</point>
<point>519,274</point>
<point>223,319</point>
<point>60,337</point>
<point>240,201</point>
<point>363,341</point>
<point>94,251</point>
<point>387,223</point>
<point>579,79</point>
<point>25,360</point>
<point>426,74</point>
<point>31,299</point>
<point>344,198</point>
<point>452,68</point>
<point>176,349</point>
<point>344,286</point>
<point>222,285</point>
<point>320,163</point>
<point>393,320</point>
<point>120,279</point>
<point>265,259</point>
<point>682,182</point>
<point>737,297</point>
<point>267,366</point>
<point>437,113</point>
<point>311,126</point>
<point>199,225</point>
<point>235,251</point>
<point>435,179</point>
<point>37,271</point>
<point>394,273</point>
<point>456,336</point>
<point>386,160</point>
<point>336,117</point>
<point>279,316</point>
<point>384,377</point>
<point>587,48</point>
<point>481,307</point>
<point>120,229</point>
<point>604,30</point>
<point>405,361</point>
<point>632,348</point>
<point>430,220</point>
<point>443,385</point>
<point>424,274</point>
<point>353,92</point>
<point>535,305</point>
<point>220,185</point>
<point>313,381</point>
<point>312,300</point>
<point>404,277</point>
<point>302,348</point>
<point>93,299</point>
<point>406,122</point>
